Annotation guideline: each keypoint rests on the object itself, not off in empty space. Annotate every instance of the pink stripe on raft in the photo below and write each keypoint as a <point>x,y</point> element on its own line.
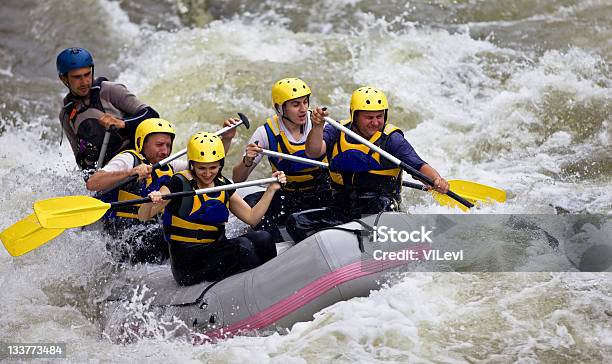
<point>310,292</point>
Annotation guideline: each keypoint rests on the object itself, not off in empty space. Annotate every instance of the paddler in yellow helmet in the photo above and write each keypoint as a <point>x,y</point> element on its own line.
<point>285,132</point>
<point>363,181</point>
<point>194,226</point>
<point>135,241</point>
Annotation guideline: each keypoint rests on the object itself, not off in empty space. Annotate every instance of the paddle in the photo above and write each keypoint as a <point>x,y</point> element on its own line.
<point>471,191</point>
<point>104,147</point>
<point>243,120</point>
<point>294,158</point>
<point>73,211</point>
<point>26,235</point>
<point>413,172</point>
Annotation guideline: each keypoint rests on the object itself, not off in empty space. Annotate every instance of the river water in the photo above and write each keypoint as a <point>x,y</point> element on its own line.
<point>513,94</point>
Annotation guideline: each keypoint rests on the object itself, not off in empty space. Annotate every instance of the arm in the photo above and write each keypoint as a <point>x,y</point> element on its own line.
<point>114,172</point>
<point>243,169</point>
<point>440,184</point>
<point>229,135</point>
<point>402,149</point>
<point>127,103</point>
<point>315,145</point>
<point>251,158</point>
<point>147,210</point>
<point>133,121</point>
<point>252,216</point>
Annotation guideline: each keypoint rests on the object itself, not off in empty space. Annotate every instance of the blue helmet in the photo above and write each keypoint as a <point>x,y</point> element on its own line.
<point>72,58</point>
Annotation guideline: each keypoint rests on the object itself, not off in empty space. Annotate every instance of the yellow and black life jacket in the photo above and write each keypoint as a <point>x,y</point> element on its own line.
<point>300,176</point>
<point>355,167</point>
<point>138,189</point>
<point>197,219</point>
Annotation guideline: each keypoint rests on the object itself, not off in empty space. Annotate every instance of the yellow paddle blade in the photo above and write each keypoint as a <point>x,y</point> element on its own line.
<point>70,211</point>
<point>26,235</point>
<point>476,193</point>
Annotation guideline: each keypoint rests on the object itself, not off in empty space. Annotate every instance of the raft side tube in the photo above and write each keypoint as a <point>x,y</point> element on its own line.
<point>317,272</point>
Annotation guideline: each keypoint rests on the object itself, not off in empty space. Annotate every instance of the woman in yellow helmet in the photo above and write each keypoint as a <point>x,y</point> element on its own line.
<point>194,226</point>
<point>285,132</point>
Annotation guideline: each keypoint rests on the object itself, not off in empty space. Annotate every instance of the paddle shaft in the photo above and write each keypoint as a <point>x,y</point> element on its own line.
<point>416,174</point>
<point>325,165</point>
<point>243,120</point>
<point>294,158</point>
<point>233,186</point>
<point>104,147</point>
<point>416,186</point>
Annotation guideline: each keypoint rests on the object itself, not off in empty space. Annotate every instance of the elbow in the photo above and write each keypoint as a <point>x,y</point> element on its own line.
<point>152,112</point>
<point>312,154</point>
<point>314,149</point>
<point>252,221</point>
<point>142,215</point>
<point>146,112</point>
<point>309,153</point>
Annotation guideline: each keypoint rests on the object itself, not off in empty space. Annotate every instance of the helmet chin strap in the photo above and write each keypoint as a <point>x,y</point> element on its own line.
<point>282,113</point>
<point>286,118</point>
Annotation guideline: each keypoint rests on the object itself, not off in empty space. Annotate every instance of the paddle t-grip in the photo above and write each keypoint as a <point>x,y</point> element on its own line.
<point>245,120</point>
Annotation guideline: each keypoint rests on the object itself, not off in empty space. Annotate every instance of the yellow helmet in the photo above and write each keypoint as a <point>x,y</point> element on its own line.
<point>368,99</point>
<point>205,147</point>
<point>288,89</point>
<point>150,126</point>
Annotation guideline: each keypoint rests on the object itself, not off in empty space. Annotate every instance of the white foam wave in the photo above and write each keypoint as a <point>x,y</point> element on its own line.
<point>118,20</point>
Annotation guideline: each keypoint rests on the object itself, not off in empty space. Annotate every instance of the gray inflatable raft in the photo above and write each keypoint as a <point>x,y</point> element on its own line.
<point>330,266</point>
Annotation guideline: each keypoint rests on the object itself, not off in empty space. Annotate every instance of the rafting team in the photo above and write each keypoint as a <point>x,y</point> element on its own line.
<point>191,230</point>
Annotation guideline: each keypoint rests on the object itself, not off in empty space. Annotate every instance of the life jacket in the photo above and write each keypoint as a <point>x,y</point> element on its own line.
<point>138,189</point>
<point>355,167</point>
<point>197,219</point>
<point>300,176</point>
<point>89,132</point>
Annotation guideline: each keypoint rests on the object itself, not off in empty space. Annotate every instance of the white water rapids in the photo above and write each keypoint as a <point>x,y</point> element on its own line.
<point>513,94</point>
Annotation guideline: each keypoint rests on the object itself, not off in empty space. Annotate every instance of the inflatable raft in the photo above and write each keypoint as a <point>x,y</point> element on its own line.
<point>332,265</point>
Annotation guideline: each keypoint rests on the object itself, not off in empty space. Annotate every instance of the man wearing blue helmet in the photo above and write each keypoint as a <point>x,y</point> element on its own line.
<point>92,106</point>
